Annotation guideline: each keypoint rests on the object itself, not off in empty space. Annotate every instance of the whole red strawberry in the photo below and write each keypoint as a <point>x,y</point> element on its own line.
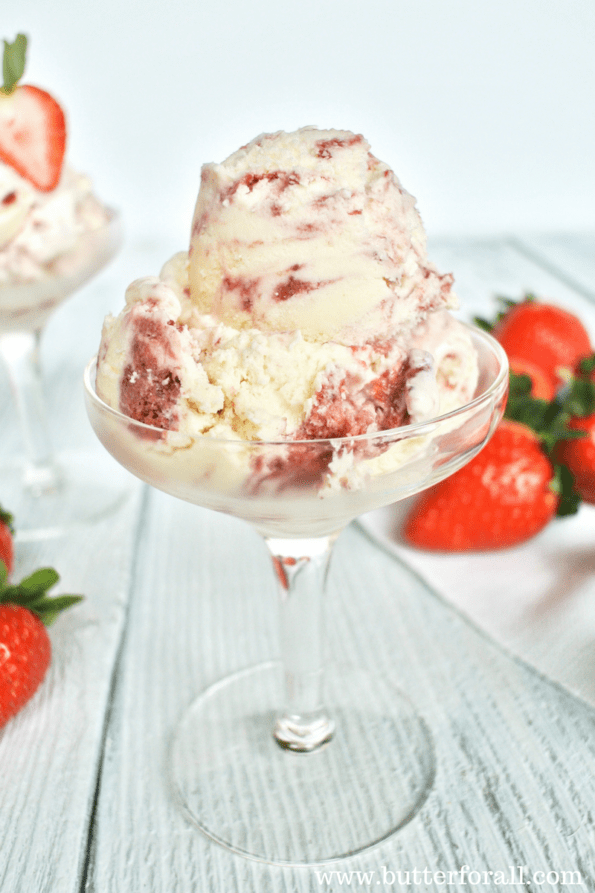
<point>502,497</point>
<point>25,654</point>
<point>25,649</point>
<point>579,456</point>
<point>542,334</point>
<point>32,124</point>
<point>6,539</point>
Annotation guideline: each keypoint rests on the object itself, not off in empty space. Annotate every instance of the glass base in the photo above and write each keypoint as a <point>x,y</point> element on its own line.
<point>252,796</point>
<point>88,488</point>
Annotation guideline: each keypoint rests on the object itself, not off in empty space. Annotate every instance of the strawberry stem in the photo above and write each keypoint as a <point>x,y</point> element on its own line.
<point>13,62</point>
<point>31,593</point>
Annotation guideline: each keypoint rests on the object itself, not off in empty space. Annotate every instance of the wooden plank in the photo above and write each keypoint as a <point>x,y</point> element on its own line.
<point>570,256</point>
<point>515,753</point>
<point>50,752</point>
<point>514,783</point>
<point>485,268</point>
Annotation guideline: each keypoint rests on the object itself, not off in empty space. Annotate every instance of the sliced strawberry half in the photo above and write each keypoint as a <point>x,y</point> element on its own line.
<point>33,136</point>
<point>32,124</point>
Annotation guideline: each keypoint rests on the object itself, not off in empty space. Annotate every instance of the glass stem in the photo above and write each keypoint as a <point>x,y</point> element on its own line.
<point>301,567</point>
<point>20,351</point>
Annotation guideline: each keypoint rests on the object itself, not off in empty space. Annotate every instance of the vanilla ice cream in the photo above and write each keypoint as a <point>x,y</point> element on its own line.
<point>305,308</point>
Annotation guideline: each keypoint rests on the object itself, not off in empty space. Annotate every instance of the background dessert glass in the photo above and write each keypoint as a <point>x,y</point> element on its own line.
<point>48,496</point>
<point>258,762</point>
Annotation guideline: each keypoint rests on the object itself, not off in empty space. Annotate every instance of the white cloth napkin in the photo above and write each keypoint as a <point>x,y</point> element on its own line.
<point>536,600</point>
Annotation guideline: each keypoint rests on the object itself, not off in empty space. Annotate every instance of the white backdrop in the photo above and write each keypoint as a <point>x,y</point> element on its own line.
<point>485,110</point>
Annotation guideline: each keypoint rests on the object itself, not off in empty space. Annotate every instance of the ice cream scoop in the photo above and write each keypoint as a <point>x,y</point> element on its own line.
<point>306,307</point>
<point>309,231</point>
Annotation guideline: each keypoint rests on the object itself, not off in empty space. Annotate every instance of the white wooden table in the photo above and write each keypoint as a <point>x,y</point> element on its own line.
<point>177,597</point>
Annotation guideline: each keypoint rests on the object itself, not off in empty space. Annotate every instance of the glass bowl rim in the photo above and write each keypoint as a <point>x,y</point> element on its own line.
<point>400,433</point>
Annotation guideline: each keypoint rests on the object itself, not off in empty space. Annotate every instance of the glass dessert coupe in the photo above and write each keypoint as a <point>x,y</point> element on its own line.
<point>50,494</point>
<point>258,762</point>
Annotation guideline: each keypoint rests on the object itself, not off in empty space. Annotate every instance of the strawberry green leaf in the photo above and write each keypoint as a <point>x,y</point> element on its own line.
<point>505,304</point>
<point>578,397</point>
<point>482,323</point>
<point>587,365</point>
<point>14,594</point>
<point>520,385</point>
<point>31,593</point>
<point>48,617</point>
<point>13,62</point>
<point>49,608</point>
<point>7,518</point>
<point>42,579</point>
<point>563,485</point>
<point>548,419</point>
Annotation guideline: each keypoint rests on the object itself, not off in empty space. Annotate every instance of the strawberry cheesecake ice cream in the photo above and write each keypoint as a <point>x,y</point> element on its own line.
<point>305,308</point>
<point>54,232</point>
<point>40,232</point>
